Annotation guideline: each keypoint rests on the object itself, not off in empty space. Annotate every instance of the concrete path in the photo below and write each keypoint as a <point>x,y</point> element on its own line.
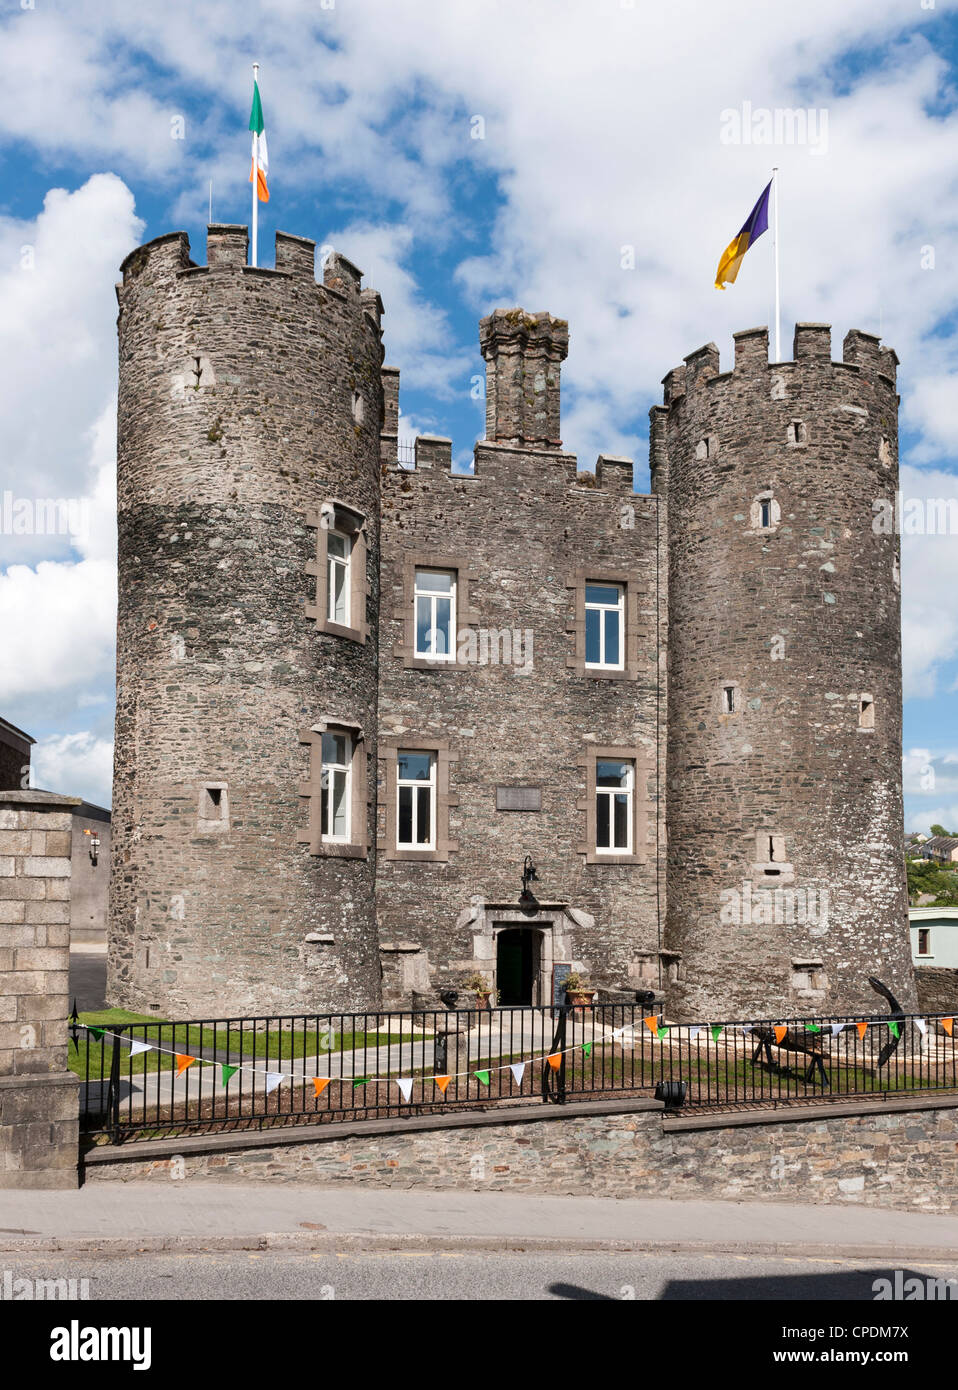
<point>188,1215</point>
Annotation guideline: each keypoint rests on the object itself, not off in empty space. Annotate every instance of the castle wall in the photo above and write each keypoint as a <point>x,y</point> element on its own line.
<point>247,399</point>
<point>786,882</point>
<point>521,532</point>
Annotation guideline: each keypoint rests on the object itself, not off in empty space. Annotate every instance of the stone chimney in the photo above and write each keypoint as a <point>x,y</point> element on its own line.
<point>523,352</point>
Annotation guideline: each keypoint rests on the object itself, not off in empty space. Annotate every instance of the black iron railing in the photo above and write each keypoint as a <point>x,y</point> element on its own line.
<point>157,1079</point>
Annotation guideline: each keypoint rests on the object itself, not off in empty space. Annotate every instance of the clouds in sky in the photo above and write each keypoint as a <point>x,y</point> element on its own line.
<point>600,189</point>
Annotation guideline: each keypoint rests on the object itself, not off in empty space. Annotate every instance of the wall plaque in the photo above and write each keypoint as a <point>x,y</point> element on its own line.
<point>518,798</point>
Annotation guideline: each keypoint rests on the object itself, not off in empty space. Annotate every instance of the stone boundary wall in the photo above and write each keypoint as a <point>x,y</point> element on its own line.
<point>901,1155</point>
<point>39,1097</point>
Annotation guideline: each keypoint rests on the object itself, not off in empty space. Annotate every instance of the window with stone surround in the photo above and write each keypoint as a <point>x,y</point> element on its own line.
<point>338,556</point>
<point>866,712</point>
<point>213,812</point>
<point>771,859</point>
<point>340,571</point>
<point>434,594</point>
<point>434,613</point>
<point>614,789</point>
<point>336,790</point>
<point>337,756</point>
<point>605,625</point>
<point>416,798</point>
<point>615,806</point>
<point>765,512</point>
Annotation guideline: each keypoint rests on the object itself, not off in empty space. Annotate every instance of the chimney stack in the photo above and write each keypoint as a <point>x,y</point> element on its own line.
<point>523,352</point>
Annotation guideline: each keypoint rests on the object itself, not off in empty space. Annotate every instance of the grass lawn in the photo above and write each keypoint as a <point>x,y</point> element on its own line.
<point>207,1042</point>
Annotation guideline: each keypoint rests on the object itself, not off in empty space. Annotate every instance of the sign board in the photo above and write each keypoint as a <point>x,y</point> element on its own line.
<point>561,971</point>
<point>518,798</point>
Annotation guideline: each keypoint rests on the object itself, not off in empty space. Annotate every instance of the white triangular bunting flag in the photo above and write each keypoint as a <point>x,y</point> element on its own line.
<point>273,1079</point>
<point>137,1047</point>
<point>627,1037</point>
<point>921,1025</point>
<point>747,1027</point>
<point>694,1032</point>
<point>518,1070</point>
<point>836,1029</point>
<point>405,1085</point>
<point>617,1033</point>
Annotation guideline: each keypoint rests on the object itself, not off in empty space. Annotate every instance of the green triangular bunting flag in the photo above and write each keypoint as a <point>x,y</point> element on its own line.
<point>227,1073</point>
<point>360,1081</point>
<point>482,1076</point>
<point>894,1029</point>
<point>587,1049</point>
<point>96,1033</point>
<point>716,1031</point>
<point>812,1028</point>
<point>662,1033</point>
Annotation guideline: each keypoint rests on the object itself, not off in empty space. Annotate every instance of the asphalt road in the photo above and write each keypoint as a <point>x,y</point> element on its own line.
<point>439,1276</point>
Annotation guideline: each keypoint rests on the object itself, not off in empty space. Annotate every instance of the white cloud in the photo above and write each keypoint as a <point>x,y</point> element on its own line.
<point>417,334</point>
<point>929,582</point>
<point>79,764</point>
<point>58,414</point>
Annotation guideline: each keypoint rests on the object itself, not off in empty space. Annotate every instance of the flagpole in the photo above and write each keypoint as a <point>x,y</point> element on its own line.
<point>778,290</point>
<point>255,177</point>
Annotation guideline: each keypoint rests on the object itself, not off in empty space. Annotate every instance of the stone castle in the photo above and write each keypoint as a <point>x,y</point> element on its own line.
<point>353,695</point>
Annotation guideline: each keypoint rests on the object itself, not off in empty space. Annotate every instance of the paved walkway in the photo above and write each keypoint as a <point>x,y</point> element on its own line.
<point>185,1215</point>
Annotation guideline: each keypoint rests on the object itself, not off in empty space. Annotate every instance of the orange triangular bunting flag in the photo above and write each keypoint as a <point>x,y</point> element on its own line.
<point>320,1083</point>
<point>862,1029</point>
<point>442,1082</point>
<point>182,1062</point>
<point>554,1058</point>
<point>652,1023</point>
<point>948,1024</point>
<point>780,1030</point>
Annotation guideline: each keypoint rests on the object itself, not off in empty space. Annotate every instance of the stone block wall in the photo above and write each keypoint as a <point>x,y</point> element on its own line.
<point>900,1155</point>
<point>38,1095</point>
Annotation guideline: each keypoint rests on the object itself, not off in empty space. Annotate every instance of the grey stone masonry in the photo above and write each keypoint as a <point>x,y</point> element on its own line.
<point>786,880</point>
<point>250,410</point>
<point>356,688</point>
<point>39,1097</point>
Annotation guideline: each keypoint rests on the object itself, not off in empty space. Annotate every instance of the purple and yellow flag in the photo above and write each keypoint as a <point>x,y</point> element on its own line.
<point>755,224</point>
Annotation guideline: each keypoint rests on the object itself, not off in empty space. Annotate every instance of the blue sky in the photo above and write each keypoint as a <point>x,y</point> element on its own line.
<point>601,189</point>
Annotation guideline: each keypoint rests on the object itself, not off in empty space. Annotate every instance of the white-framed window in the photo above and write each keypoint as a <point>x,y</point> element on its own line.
<point>614,787</point>
<point>338,556</point>
<point>435,600</point>
<point>335,787</point>
<point>924,941</point>
<point>416,800</point>
<point>605,625</point>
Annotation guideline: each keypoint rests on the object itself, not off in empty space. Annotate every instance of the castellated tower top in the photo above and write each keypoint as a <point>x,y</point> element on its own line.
<point>523,353</point>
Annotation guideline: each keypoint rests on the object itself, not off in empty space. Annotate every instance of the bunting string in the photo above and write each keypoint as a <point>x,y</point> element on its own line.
<point>625,1036</point>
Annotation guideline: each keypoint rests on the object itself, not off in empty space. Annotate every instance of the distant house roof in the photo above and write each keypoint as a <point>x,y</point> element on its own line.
<point>9,733</point>
<point>941,844</point>
<point>917,915</point>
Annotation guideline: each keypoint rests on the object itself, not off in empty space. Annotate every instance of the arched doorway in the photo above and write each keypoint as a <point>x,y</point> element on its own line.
<point>518,966</point>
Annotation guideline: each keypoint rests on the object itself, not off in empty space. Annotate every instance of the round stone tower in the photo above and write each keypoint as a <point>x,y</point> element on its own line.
<point>250,405</point>
<point>785,881</point>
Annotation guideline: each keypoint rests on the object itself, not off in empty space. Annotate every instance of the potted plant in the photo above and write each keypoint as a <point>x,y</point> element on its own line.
<point>478,985</point>
<point>578,992</point>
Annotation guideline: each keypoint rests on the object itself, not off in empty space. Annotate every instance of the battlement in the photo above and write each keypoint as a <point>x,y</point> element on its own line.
<point>811,348</point>
<point>227,251</point>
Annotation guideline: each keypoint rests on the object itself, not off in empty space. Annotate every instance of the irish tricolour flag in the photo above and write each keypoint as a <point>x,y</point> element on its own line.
<point>259,168</point>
